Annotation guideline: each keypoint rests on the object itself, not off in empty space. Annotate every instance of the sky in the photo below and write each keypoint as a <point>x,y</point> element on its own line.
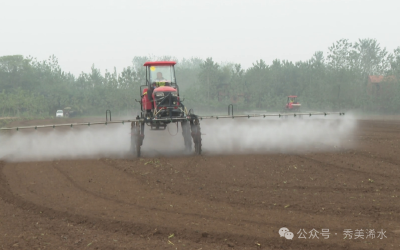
<point>109,34</point>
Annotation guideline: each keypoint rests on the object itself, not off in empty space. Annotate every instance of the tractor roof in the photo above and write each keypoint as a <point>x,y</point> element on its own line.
<point>292,96</point>
<point>158,63</point>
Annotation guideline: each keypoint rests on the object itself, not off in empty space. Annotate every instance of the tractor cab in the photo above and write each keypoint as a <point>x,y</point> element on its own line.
<point>160,95</point>
<point>292,103</point>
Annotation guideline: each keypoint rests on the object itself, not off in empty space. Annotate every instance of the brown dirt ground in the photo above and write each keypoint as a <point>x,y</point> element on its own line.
<point>208,201</point>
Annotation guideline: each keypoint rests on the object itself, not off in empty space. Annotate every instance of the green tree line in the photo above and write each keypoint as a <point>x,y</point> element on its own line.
<point>337,80</point>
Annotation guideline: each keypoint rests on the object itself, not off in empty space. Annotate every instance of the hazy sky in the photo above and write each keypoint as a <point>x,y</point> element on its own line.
<point>111,33</point>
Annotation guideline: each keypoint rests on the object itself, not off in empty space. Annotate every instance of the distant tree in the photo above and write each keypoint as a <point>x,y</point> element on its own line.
<point>209,77</point>
<point>370,58</point>
<point>341,55</point>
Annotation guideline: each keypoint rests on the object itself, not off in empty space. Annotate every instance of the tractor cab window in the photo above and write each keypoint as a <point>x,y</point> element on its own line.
<point>162,75</point>
<point>292,99</point>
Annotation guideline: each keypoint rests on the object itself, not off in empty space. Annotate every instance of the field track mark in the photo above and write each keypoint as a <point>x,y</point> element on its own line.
<point>139,229</point>
<point>294,207</point>
<point>344,168</point>
<point>114,226</point>
<point>169,213</point>
<point>192,162</point>
<point>387,160</point>
<point>76,185</point>
<point>7,195</point>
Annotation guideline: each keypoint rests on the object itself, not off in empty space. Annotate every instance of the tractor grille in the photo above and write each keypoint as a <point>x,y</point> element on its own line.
<point>167,100</point>
<point>167,106</point>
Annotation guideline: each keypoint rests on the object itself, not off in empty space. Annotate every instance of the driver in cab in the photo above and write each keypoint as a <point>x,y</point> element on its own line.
<point>160,81</point>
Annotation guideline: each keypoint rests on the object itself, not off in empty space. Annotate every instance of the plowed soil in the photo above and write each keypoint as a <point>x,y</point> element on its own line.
<point>210,201</point>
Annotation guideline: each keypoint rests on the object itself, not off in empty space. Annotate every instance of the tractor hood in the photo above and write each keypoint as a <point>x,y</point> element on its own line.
<point>165,89</point>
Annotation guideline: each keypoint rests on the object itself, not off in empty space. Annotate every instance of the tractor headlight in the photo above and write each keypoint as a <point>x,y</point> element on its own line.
<point>159,94</point>
<point>174,93</point>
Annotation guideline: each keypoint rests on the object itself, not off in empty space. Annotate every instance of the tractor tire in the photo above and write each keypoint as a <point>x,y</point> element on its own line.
<point>197,148</point>
<point>135,138</point>
<point>196,134</point>
<point>133,144</point>
<point>186,136</point>
<point>137,151</point>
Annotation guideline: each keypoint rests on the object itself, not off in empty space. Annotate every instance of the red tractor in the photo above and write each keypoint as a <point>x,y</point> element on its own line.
<point>292,104</point>
<point>161,105</point>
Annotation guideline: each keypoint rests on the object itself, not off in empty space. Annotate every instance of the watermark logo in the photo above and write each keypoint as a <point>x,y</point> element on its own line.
<point>284,232</point>
<point>348,234</point>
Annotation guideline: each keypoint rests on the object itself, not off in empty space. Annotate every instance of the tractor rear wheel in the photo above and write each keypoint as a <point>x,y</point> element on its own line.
<point>196,134</point>
<point>137,150</point>
<point>197,148</point>
<point>136,138</point>
<point>186,136</point>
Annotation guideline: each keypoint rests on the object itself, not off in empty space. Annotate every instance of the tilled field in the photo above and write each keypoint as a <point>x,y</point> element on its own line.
<point>329,200</point>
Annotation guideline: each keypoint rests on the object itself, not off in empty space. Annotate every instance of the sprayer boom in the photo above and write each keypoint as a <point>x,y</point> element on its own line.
<point>188,118</point>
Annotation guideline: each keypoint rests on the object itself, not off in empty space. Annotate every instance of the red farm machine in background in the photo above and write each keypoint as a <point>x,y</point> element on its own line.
<point>292,105</point>
<point>161,105</point>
